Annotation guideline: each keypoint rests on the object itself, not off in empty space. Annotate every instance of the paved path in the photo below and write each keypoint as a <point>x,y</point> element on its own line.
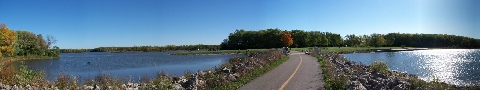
<point>299,72</point>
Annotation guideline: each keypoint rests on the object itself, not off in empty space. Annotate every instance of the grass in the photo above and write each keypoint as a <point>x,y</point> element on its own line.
<point>333,80</point>
<point>249,77</point>
<point>300,49</point>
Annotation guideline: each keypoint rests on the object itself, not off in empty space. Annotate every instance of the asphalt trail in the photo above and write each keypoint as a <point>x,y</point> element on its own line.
<point>299,72</point>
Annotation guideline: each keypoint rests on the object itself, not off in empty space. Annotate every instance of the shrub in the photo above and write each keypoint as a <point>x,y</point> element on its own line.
<point>379,67</point>
<point>90,81</point>
<point>62,81</point>
<point>7,73</point>
<point>26,76</point>
<point>103,80</point>
<point>162,82</point>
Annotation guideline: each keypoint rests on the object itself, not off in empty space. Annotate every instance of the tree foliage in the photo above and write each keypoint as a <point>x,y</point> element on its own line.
<point>352,40</point>
<point>32,44</point>
<point>8,39</point>
<point>23,43</point>
<point>287,40</point>
<point>242,39</point>
<point>414,40</point>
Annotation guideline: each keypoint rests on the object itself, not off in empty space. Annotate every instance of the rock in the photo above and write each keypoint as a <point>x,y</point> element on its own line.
<point>379,75</point>
<point>373,82</point>
<point>390,84</point>
<point>236,75</point>
<point>348,63</point>
<point>176,79</point>
<point>226,70</point>
<point>231,77</point>
<point>177,86</point>
<point>378,87</point>
<point>363,80</point>
<point>404,82</point>
<point>356,85</point>
<point>129,84</point>
<point>190,84</point>
<point>398,87</point>
<point>123,86</point>
<point>353,78</point>
<point>419,88</point>
<point>28,87</point>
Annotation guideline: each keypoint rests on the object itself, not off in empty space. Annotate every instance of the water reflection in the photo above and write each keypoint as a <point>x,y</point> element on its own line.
<point>454,66</point>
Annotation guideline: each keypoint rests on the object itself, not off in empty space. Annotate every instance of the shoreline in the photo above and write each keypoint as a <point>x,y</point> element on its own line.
<point>361,76</point>
<point>236,72</point>
<point>22,58</point>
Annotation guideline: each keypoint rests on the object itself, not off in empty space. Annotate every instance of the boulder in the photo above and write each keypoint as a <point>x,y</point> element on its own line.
<point>231,77</point>
<point>398,87</point>
<point>404,82</point>
<point>379,75</point>
<point>379,87</point>
<point>356,85</point>
<point>363,80</point>
<point>390,84</point>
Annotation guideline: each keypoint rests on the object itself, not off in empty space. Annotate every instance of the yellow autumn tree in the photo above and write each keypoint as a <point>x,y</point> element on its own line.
<point>287,39</point>
<point>8,38</point>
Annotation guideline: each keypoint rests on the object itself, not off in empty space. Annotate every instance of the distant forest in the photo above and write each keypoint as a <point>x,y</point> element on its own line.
<point>145,48</point>
<point>270,38</point>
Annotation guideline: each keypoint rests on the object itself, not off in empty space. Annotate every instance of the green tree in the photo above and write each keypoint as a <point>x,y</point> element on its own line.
<point>352,40</point>
<point>377,40</point>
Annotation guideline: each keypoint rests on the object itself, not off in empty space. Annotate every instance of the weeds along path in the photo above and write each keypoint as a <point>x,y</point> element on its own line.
<point>299,72</point>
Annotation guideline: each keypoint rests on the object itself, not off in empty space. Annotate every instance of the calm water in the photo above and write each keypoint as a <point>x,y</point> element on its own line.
<point>454,66</point>
<point>126,65</point>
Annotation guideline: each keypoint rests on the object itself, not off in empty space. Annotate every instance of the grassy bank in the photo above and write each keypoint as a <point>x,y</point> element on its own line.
<point>333,80</point>
<point>251,76</point>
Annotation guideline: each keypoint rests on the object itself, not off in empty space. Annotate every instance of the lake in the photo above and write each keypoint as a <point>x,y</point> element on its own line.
<point>453,66</point>
<point>125,65</point>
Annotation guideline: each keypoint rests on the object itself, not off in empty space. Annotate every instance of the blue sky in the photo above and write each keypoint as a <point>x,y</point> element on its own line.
<point>96,23</point>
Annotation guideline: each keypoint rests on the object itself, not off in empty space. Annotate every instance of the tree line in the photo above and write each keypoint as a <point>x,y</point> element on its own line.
<point>145,48</point>
<point>24,43</point>
<point>412,40</point>
<point>271,38</point>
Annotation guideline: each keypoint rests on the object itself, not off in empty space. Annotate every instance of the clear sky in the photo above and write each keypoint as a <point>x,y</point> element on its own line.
<point>96,23</point>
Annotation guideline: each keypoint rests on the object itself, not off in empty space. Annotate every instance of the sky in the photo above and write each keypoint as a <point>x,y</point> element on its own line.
<point>80,24</point>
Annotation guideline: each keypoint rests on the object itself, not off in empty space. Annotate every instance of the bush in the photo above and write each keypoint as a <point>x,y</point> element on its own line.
<point>62,81</point>
<point>26,76</point>
<point>379,67</point>
<point>7,73</point>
